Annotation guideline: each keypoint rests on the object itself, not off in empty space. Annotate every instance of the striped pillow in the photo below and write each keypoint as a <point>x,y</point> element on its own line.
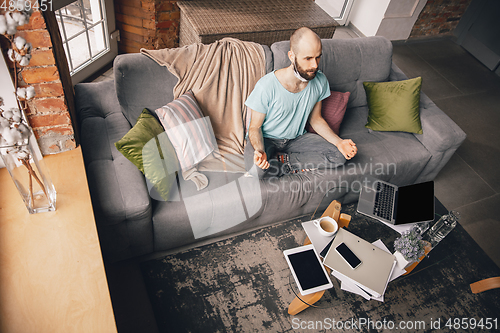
<point>190,133</point>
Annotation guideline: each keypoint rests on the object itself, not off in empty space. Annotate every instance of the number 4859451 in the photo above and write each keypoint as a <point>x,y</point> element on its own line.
<point>472,323</point>
<point>12,5</point>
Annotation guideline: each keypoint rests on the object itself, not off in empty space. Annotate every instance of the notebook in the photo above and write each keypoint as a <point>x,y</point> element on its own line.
<point>375,270</point>
<point>398,205</point>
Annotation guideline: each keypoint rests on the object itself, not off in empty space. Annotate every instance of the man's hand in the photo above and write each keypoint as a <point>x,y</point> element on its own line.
<point>348,148</point>
<point>260,159</point>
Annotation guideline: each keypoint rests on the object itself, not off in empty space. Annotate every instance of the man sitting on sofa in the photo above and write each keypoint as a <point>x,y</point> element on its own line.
<point>280,105</point>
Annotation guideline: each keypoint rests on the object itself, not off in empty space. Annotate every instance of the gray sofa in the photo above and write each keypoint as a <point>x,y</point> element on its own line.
<point>131,223</point>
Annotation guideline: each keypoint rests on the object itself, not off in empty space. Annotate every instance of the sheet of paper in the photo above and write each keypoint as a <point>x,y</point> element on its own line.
<point>400,267</point>
<point>398,270</point>
<point>378,243</point>
<point>318,240</point>
<point>400,228</point>
<point>348,285</point>
<point>351,287</point>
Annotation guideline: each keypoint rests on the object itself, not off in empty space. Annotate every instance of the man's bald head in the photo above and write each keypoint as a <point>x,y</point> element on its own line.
<point>301,37</point>
<point>305,53</point>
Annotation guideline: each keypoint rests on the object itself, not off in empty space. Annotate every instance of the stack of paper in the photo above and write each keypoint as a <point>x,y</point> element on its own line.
<point>378,266</point>
<point>348,284</point>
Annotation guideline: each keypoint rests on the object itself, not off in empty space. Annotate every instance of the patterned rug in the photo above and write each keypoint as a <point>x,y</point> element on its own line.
<point>242,284</point>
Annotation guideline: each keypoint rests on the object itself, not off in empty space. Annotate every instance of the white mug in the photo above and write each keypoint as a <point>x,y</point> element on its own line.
<point>326,226</point>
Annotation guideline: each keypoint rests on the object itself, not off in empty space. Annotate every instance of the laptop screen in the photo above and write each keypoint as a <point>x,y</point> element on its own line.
<point>415,203</point>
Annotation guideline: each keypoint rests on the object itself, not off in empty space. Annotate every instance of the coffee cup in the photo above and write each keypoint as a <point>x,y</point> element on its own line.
<point>326,226</point>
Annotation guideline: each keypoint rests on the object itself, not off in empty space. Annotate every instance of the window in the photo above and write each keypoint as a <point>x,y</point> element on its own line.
<point>85,27</point>
<point>338,9</point>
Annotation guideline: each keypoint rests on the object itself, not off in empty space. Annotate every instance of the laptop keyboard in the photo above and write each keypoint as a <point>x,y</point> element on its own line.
<point>383,201</point>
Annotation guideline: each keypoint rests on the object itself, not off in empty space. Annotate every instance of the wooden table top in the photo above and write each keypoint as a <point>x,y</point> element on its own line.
<point>52,276</point>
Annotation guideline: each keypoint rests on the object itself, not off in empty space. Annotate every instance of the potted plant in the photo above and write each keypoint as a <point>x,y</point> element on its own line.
<point>410,246</point>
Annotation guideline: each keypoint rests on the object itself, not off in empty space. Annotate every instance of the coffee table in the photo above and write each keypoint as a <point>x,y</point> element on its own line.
<point>376,230</point>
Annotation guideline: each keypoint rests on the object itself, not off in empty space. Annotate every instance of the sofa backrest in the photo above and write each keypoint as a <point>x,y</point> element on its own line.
<point>141,83</point>
<point>347,63</point>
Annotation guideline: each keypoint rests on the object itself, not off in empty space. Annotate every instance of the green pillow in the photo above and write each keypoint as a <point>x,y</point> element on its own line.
<point>394,105</point>
<point>147,146</point>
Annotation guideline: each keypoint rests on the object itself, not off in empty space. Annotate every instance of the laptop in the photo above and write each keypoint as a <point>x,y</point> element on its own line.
<point>397,205</point>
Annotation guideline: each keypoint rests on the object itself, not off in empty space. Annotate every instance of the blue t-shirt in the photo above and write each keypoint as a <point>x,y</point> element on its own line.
<point>286,112</point>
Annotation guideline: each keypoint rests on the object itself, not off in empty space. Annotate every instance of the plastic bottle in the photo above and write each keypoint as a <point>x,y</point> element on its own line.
<point>422,227</point>
<point>442,227</point>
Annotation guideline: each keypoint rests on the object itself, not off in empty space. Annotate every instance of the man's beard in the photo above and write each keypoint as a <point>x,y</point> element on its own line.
<point>305,75</point>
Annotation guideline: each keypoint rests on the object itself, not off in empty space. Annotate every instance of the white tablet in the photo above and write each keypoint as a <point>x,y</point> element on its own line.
<point>307,269</point>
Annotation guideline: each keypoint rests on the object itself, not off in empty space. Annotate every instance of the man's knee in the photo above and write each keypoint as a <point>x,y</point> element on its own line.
<point>335,158</point>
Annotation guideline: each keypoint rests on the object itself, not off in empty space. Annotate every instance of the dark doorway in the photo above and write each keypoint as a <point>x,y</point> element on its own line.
<point>479,32</point>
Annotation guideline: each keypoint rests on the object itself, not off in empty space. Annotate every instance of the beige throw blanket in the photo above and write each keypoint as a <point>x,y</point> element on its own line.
<point>221,76</point>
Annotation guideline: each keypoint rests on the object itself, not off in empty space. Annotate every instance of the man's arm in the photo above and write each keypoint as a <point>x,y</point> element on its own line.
<point>257,140</point>
<point>347,147</point>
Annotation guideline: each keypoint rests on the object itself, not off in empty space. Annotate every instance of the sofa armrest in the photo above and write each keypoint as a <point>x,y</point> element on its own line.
<point>440,132</point>
<point>120,196</point>
<point>441,135</point>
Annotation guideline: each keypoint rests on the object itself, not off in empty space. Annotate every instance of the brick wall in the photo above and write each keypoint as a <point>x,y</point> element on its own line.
<point>48,112</point>
<point>439,17</point>
<point>151,24</point>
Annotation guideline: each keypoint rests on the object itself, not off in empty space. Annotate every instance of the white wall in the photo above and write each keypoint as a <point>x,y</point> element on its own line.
<point>393,19</point>
<point>400,18</point>
<point>366,15</point>
<point>6,90</point>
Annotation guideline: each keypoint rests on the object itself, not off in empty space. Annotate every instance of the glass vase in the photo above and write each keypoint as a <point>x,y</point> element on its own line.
<point>30,175</point>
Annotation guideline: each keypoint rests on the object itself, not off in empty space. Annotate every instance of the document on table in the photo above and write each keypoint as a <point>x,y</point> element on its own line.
<point>348,284</point>
<point>320,242</point>
<point>376,266</point>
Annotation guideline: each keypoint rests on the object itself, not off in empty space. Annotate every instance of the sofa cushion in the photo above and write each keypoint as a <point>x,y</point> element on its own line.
<point>347,63</point>
<point>354,121</point>
<point>333,109</point>
<point>110,174</point>
<point>269,58</point>
<point>394,106</point>
<point>397,157</point>
<point>148,147</point>
<point>187,129</point>
<point>132,143</point>
<point>141,83</point>
<point>229,200</point>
